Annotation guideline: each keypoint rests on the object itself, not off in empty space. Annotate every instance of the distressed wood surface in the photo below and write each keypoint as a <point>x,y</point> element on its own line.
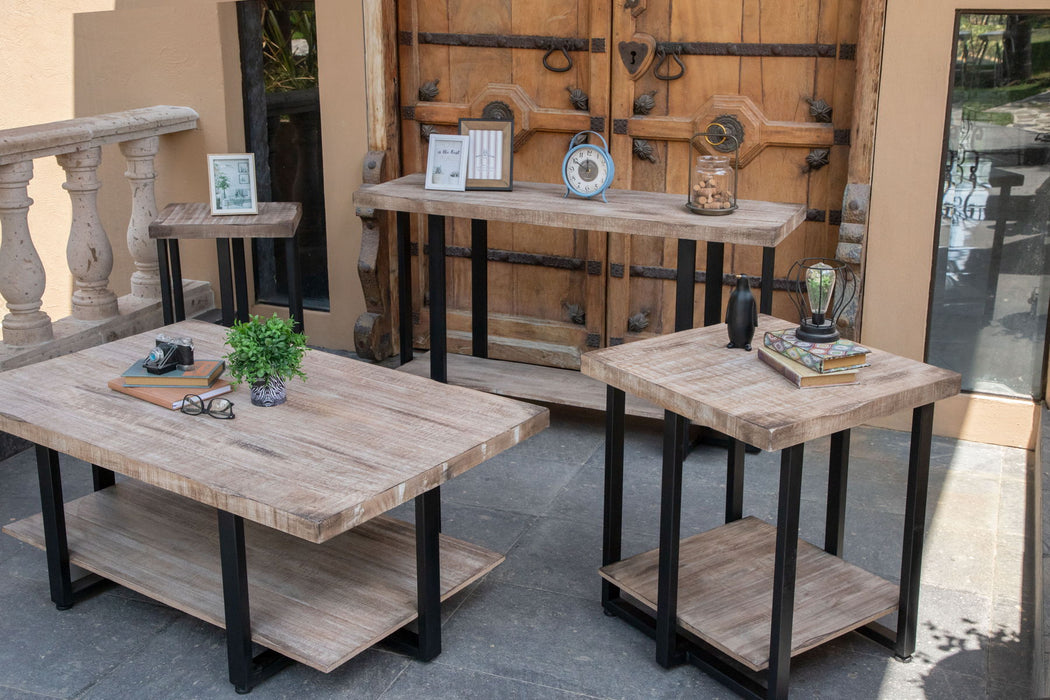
<point>694,374</point>
<point>725,591</point>
<point>194,220</point>
<point>318,604</point>
<point>628,211</point>
<point>353,441</point>
<point>530,382</point>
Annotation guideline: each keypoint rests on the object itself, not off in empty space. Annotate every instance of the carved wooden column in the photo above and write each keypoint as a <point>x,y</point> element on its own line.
<point>145,281</point>
<point>88,252</point>
<point>21,272</point>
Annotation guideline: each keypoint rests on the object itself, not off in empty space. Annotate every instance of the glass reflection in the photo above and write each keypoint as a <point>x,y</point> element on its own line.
<point>992,281</point>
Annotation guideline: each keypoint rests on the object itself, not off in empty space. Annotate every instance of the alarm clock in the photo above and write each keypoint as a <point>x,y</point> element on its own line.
<point>588,169</point>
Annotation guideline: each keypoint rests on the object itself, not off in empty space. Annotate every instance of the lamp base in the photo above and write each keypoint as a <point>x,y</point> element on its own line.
<point>817,333</point>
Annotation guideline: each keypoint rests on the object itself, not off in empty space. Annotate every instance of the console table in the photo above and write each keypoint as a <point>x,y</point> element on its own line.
<point>746,594</point>
<point>195,221</point>
<point>283,506</point>
<point>763,224</point>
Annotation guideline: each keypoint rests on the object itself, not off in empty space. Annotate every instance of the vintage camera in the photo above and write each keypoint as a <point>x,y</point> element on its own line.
<point>169,354</point>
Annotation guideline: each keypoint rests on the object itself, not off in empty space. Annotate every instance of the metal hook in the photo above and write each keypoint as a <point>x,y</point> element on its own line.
<point>564,53</point>
<point>663,54</point>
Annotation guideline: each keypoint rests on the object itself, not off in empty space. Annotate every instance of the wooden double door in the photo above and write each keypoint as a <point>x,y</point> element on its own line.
<point>647,75</point>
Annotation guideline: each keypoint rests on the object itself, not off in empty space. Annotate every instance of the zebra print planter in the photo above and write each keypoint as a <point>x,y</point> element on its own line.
<point>270,392</point>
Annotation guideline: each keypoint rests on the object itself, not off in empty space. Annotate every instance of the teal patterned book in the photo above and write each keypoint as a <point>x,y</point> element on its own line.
<point>819,357</point>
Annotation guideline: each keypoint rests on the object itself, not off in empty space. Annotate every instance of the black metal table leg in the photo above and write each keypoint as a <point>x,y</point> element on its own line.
<point>784,572</point>
<point>685,285</point>
<point>612,521</point>
<point>735,481</point>
<point>165,281</point>
<point>240,276</point>
<point>914,529</point>
<point>404,285</point>
<point>713,284</point>
<point>101,478</point>
<point>438,341</point>
<point>428,573</point>
<point>838,475</point>
<point>178,301</point>
<point>246,671</point>
<point>479,287</point>
<point>765,299</point>
<point>54,516</point>
<point>295,282</point>
<point>667,653</point>
<point>222,250</point>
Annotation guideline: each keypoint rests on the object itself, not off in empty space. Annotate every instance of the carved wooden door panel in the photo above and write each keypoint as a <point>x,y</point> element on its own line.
<point>653,73</point>
<point>780,76</point>
<point>543,62</point>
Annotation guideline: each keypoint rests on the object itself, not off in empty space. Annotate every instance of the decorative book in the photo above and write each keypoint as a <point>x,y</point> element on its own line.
<point>801,376</point>
<point>203,374</point>
<point>169,396</point>
<point>819,357</point>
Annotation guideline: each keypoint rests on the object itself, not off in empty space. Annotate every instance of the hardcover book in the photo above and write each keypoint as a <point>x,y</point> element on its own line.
<point>169,396</point>
<point>203,374</point>
<point>801,376</point>
<point>819,357</point>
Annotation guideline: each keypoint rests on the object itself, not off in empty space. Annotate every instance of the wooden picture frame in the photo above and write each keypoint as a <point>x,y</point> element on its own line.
<point>491,156</point>
<point>446,163</point>
<point>231,184</point>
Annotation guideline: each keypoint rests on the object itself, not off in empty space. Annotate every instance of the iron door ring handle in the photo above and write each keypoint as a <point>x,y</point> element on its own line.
<point>568,59</point>
<point>669,75</point>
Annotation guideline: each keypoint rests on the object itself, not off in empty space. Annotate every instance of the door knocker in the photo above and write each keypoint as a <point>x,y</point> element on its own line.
<point>568,59</point>
<point>662,53</point>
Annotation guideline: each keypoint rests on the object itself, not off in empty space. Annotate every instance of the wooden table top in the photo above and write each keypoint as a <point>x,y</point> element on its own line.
<point>627,211</point>
<point>695,375</point>
<point>195,220</point>
<point>353,441</point>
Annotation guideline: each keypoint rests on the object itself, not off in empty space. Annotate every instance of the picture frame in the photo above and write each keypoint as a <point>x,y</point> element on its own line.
<point>231,184</point>
<point>491,155</point>
<point>447,163</point>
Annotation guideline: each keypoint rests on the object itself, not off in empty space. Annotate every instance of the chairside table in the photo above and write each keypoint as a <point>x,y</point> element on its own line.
<point>178,221</point>
<point>746,565</point>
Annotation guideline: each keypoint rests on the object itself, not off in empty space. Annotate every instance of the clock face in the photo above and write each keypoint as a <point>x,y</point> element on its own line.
<point>587,170</point>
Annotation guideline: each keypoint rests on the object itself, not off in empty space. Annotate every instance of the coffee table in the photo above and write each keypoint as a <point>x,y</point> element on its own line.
<point>283,506</point>
<point>743,598</point>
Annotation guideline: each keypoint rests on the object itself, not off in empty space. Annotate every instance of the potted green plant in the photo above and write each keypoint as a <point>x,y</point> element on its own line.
<point>265,353</point>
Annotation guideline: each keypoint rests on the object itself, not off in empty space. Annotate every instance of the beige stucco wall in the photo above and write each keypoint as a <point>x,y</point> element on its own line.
<point>90,57</point>
<point>36,80</point>
<point>904,203</point>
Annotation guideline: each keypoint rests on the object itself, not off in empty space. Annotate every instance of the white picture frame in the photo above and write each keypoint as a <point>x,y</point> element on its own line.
<point>231,184</point>
<point>447,162</point>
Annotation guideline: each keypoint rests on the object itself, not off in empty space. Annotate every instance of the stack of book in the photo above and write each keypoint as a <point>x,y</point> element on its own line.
<point>169,389</point>
<point>812,364</point>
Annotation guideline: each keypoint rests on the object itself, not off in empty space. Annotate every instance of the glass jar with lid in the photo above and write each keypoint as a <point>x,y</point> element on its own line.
<point>712,186</point>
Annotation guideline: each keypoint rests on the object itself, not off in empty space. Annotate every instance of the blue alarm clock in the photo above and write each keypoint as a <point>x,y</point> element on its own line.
<point>588,169</point>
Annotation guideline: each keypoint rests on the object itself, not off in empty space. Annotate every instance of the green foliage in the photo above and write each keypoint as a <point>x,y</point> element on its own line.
<point>287,68</point>
<point>261,348</point>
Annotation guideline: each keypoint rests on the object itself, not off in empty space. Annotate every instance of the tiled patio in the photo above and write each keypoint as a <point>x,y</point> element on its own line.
<point>535,629</point>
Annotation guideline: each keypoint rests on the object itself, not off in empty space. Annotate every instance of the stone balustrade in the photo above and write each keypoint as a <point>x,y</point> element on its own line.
<point>28,332</point>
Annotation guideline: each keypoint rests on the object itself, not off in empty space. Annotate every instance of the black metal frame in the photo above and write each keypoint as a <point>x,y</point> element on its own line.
<point>674,645</point>
<point>233,280</point>
<point>245,669</point>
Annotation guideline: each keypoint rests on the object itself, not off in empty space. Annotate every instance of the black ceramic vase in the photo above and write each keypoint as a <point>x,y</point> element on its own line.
<point>741,314</point>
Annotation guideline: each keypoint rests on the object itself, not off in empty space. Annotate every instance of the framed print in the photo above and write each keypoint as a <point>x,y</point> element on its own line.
<point>231,182</point>
<point>491,157</point>
<point>447,163</point>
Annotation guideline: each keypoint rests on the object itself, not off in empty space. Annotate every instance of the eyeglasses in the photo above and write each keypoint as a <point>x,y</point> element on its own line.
<point>194,405</point>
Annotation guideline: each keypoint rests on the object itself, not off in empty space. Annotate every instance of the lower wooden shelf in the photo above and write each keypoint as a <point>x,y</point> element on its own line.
<point>320,604</point>
<point>565,387</point>
<point>725,591</point>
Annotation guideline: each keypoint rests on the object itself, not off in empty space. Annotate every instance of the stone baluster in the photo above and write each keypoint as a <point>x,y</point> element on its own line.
<point>88,252</point>
<point>145,281</point>
<point>22,281</point>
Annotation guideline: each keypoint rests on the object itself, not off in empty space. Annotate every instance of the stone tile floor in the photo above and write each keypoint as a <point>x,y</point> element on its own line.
<point>534,627</point>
